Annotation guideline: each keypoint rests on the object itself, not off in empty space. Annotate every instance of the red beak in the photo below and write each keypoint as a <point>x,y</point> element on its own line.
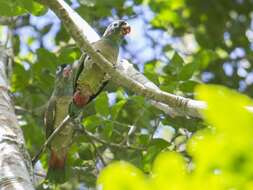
<point>67,71</point>
<point>125,29</point>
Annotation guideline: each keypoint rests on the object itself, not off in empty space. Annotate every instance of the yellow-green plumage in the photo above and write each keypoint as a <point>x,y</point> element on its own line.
<point>90,79</point>
<point>61,142</point>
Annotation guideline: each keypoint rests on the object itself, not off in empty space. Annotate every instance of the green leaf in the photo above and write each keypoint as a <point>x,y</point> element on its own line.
<point>20,78</point>
<point>204,57</point>
<point>154,148</point>
<point>187,71</point>
<point>33,141</point>
<point>107,129</point>
<point>231,122</point>
<point>166,17</point>
<point>180,140</point>
<point>170,169</point>
<point>159,143</point>
<point>188,86</point>
<point>169,86</point>
<point>177,62</point>
<point>46,29</point>
<point>46,61</point>
<point>125,176</point>
<point>143,139</point>
<point>226,100</point>
<point>62,36</point>
<point>175,66</point>
<point>33,7</point>
<point>115,109</point>
<point>69,55</point>
<point>150,71</point>
<point>102,104</point>
<point>11,8</point>
<point>16,44</point>
<point>19,7</point>
<point>92,122</point>
<point>85,151</point>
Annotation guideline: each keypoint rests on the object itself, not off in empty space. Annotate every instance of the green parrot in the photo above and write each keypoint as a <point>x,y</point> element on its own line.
<point>57,110</point>
<point>89,79</point>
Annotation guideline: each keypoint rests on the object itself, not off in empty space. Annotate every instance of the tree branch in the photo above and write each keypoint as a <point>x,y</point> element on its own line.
<point>104,142</point>
<point>7,20</point>
<point>127,68</point>
<point>100,156</point>
<point>15,167</point>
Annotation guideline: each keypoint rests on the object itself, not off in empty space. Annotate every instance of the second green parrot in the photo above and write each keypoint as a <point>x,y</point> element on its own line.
<point>56,112</point>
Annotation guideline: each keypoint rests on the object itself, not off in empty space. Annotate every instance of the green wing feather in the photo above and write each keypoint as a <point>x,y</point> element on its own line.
<point>79,70</point>
<point>49,117</point>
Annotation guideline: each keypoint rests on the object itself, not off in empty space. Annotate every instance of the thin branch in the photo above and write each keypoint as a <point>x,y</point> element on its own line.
<point>50,138</point>
<point>157,123</point>
<point>20,111</point>
<point>128,69</point>
<point>7,20</point>
<point>110,144</point>
<point>115,122</point>
<point>133,128</point>
<point>40,174</point>
<point>94,145</point>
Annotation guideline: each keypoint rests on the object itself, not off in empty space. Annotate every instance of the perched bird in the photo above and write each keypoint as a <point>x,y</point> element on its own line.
<point>57,110</point>
<point>90,79</point>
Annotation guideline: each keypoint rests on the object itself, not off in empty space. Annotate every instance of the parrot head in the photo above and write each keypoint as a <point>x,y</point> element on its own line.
<point>117,28</point>
<point>63,78</point>
<point>63,72</point>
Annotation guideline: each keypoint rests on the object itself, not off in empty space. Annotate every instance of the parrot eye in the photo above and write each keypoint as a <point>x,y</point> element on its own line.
<point>115,24</point>
<point>123,23</point>
<point>58,70</point>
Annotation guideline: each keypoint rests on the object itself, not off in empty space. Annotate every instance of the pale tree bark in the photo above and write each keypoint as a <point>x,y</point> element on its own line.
<point>15,164</point>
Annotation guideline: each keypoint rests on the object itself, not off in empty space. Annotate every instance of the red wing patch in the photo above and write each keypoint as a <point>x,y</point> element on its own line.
<point>79,99</point>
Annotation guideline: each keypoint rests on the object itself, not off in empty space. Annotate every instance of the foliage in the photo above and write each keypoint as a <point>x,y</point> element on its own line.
<point>219,157</point>
<point>19,7</point>
<point>219,26</point>
<point>181,44</point>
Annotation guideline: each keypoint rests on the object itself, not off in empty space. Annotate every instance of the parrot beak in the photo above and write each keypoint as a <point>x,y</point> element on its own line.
<point>67,71</point>
<point>125,29</point>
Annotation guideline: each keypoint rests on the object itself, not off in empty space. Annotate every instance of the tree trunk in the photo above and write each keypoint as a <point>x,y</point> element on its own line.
<point>15,165</point>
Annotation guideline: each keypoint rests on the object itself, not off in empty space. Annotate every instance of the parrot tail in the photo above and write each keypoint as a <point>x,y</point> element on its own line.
<point>56,171</point>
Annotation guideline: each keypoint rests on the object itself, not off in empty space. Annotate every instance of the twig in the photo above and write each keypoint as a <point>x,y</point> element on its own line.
<point>115,122</point>
<point>20,110</point>
<point>40,174</point>
<point>133,128</point>
<point>94,145</point>
<point>50,138</point>
<point>102,141</point>
<point>8,20</point>
<point>157,123</point>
